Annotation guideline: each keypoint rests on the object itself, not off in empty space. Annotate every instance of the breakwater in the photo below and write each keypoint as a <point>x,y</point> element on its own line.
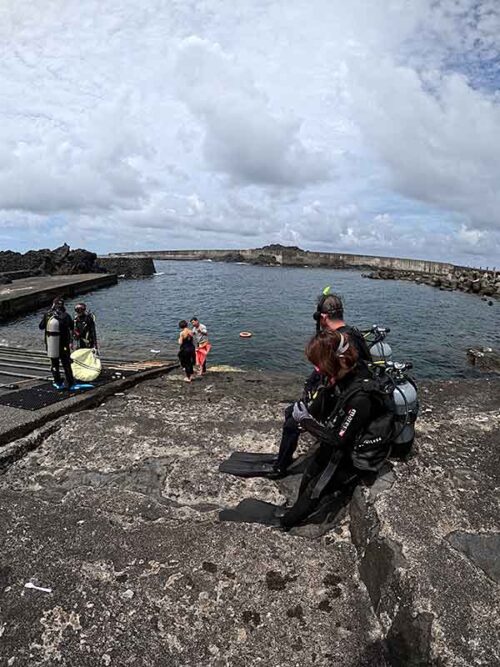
<point>483,283</point>
<point>279,255</point>
<point>444,275</point>
<point>127,267</point>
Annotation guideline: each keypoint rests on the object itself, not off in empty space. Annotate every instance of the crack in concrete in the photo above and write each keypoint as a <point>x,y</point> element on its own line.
<point>381,567</point>
<point>13,452</point>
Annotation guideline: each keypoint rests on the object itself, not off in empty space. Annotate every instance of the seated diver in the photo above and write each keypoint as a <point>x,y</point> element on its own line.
<point>329,316</point>
<point>337,417</point>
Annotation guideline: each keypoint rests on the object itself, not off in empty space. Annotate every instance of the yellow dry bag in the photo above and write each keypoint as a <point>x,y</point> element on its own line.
<point>86,364</point>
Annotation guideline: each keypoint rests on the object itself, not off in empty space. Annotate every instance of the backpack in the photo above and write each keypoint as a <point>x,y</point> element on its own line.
<point>392,432</point>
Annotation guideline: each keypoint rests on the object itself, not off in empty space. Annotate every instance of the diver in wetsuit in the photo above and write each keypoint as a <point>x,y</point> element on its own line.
<point>329,316</point>
<point>341,414</point>
<point>58,327</point>
<point>84,333</point>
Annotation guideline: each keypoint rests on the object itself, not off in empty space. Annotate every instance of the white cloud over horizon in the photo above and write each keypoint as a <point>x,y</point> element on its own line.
<point>358,127</point>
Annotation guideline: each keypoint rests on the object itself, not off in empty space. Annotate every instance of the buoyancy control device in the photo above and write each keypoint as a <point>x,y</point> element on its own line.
<point>392,432</point>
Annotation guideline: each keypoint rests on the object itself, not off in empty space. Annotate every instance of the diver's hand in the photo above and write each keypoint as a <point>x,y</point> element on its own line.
<point>300,412</point>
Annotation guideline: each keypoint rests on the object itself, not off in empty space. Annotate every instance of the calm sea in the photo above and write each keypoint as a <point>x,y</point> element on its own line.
<point>429,327</point>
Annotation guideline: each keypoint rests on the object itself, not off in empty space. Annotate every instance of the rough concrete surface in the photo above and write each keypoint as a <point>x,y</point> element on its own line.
<point>434,534</point>
<point>28,294</point>
<point>115,514</point>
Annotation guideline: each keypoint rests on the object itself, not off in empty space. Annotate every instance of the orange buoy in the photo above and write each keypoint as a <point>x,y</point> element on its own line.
<point>245,334</point>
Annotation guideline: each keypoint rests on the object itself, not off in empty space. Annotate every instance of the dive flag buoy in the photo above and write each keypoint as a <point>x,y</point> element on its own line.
<point>245,334</point>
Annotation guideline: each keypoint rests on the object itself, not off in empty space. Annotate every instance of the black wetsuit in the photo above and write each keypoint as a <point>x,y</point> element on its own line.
<point>65,333</point>
<point>331,465</point>
<point>187,355</point>
<point>84,332</point>
<point>291,431</point>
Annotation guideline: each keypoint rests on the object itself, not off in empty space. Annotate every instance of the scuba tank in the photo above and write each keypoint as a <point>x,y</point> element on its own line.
<point>53,332</point>
<point>405,413</point>
<point>381,352</point>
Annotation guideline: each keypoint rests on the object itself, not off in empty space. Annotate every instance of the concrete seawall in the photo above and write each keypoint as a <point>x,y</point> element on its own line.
<point>29,294</point>
<point>129,267</point>
<point>284,256</point>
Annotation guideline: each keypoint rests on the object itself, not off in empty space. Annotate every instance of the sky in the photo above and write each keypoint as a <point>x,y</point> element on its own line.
<point>368,126</point>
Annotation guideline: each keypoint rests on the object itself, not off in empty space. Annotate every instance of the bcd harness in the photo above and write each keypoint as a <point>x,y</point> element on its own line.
<point>374,444</point>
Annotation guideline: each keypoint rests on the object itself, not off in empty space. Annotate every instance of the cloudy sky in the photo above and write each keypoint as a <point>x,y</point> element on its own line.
<point>368,126</point>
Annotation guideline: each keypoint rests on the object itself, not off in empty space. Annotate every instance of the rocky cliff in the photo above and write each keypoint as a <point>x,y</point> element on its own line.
<point>61,261</point>
<point>64,261</point>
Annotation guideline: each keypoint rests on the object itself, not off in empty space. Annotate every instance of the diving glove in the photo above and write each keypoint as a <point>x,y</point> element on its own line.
<point>300,412</point>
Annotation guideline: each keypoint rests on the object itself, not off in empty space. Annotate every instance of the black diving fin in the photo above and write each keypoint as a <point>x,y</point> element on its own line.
<point>252,510</point>
<point>253,464</point>
<point>255,468</point>
<point>265,457</point>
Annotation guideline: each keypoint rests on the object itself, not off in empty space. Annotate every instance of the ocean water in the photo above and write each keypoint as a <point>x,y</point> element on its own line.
<point>433,329</point>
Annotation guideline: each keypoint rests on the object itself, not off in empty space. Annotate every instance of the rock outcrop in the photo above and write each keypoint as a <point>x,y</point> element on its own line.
<point>485,284</point>
<point>61,261</point>
<point>485,359</point>
<point>114,517</point>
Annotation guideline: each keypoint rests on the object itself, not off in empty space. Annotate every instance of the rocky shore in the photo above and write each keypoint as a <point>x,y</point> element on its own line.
<point>485,284</point>
<point>59,262</point>
<point>111,551</point>
<point>63,261</point>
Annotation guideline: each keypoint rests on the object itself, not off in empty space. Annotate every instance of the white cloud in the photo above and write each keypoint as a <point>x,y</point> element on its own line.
<point>370,127</point>
<point>442,146</point>
<point>243,138</point>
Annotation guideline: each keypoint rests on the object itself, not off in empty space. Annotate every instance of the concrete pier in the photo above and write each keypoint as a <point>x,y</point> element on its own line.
<point>111,551</point>
<point>28,294</point>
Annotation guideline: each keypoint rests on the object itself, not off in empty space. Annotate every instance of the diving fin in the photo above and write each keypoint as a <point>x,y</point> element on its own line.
<point>254,457</point>
<point>81,386</point>
<point>254,468</point>
<point>252,510</point>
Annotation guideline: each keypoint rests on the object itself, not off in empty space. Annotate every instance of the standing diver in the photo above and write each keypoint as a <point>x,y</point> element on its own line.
<point>58,327</point>
<point>85,335</point>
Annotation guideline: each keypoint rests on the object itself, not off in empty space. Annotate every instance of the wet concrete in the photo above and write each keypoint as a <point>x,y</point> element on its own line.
<point>29,294</point>
<point>115,510</point>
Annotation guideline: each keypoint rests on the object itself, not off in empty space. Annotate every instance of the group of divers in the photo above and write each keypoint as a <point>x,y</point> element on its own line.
<point>63,334</point>
<point>359,406</point>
